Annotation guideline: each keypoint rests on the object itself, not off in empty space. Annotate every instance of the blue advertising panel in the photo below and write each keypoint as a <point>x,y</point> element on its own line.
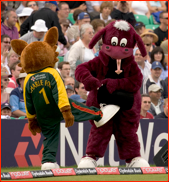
<point>20,148</point>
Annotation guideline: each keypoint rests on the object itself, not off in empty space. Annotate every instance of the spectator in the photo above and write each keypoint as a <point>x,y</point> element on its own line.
<point>64,23</point>
<point>3,10</point>
<point>69,90</point>
<point>32,4</point>
<point>48,14</point>
<point>148,44</point>
<point>8,26</point>
<point>80,90</point>
<point>4,83</point>
<point>64,68</point>
<point>83,18</point>
<point>6,111</point>
<point>21,6</point>
<point>5,47</point>
<point>98,25</point>
<point>11,58</point>
<point>143,64</point>
<point>16,97</point>
<point>154,78</point>
<point>76,14</point>
<point>139,27</point>
<point>164,46</point>
<point>105,9</point>
<point>93,7</point>
<point>145,107</point>
<point>123,12</point>
<point>38,33</point>
<point>155,6</point>
<point>157,54</point>
<point>74,5</point>
<point>80,52</point>
<point>163,114</point>
<point>140,8</point>
<point>77,98</point>
<point>26,12</point>
<point>162,30</point>
<point>150,33</point>
<point>154,92</point>
<point>63,11</point>
<point>69,81</point>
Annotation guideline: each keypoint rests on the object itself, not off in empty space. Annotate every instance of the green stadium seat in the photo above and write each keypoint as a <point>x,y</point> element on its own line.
<point>151,20</point>
<point>142,18</point>
<point>60,58</point>
<point>151,26</point>
<point>70,17</point>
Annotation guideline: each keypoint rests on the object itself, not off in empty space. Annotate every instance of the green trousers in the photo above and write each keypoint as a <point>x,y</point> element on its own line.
<point>81,113</point>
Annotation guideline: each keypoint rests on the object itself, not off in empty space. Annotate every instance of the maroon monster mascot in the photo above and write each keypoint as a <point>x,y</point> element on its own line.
<point>114,78</point>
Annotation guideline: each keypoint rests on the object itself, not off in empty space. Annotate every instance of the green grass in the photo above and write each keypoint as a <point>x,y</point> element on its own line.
<point>132,177</point>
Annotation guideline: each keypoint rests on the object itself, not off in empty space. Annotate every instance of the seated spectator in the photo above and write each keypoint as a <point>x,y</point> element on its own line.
<point>123,12</point>
<point>11,58</point>
<point>145,106</point>
<point>154,92</point>
<point>5,47</point>
<point>162,30</point>
<point>109,21</point>
<point>6,111</point>
<point>64,68</point>
<point>3,10</point>
<point>4,83</point>
<point>80,90</point>
<point>21,6</point>
<point>33,5</point>
<point>140,8</point>
<point>143,64</point>
<point>64,23</point>
<point>16,97</point>
<point>164,46</point>
<point>15,71</point>
<point>69,81</point>
<point>74,5</point>
<point>83,18</point>
<point>77,98</point>
<point>93,7</point>
<point>75,15</point>
<point>163,114</point>
<point>38,33</point>
<point>99,43</point>
<point>157,54</point>
<point>154,78</point>
<point>150,33</point>
<point>148,44</point>
<point>105,9</point>
<point>139,27</point>
<point>80,51</point>
<point>155,6</point>
<point>8,26</point>
<point>69,90</point>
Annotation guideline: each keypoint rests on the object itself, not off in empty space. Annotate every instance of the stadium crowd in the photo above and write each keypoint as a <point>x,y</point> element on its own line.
<point>77,23</point>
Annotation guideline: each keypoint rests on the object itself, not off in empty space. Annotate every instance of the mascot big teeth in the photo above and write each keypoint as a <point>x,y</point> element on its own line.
<point>114,78</point>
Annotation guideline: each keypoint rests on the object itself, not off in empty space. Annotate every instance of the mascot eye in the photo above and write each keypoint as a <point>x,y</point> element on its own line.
<point>123,42</point>
<point>114,41</point>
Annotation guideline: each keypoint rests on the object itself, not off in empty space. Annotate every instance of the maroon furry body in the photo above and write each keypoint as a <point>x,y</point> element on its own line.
<point>101,70</point>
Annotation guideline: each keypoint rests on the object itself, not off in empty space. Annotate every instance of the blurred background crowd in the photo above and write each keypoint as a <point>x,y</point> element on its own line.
<point>77,23</point>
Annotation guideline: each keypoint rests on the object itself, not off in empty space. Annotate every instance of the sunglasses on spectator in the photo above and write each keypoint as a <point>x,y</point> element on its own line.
<point>32,5</point>
<point>6,42</point>
<point>165,18</point>
<point>6,79</point>
<point>145,102</point>
<point>147,44</point>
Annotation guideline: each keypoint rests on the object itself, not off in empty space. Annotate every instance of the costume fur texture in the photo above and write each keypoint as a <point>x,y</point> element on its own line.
<point>119,79</point>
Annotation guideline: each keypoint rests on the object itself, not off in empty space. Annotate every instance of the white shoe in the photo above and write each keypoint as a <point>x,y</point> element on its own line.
<point>87,162</point>
<point>138,162</point>
<point>49,165</point>
<point>108,112</point>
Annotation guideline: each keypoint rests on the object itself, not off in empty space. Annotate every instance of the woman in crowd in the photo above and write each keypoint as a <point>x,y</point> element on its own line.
<point>4,83</point>
<point>158,55</point>
<point>16,97</point>
<point>80,51</point>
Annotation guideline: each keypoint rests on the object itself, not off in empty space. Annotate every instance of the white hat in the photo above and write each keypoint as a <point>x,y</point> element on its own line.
<point>21,75</point>
<point>25,12</point>
<point>154,88</point>
<point>39,26</point>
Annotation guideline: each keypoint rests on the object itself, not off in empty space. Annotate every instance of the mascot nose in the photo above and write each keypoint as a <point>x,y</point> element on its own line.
<point>107,47</point>
<point>126,50</point>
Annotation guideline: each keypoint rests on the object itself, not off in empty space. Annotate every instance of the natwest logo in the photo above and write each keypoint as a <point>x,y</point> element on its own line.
<point>63,172</point>
<point>21,175</point>
<point>153,170</point>
<point>107,170</point>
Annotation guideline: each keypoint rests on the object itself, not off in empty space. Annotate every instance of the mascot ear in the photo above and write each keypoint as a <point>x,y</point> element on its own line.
<point>51,36</point>
<point>18,45</point>
<point>140,45</point>
<point>96,38</point>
